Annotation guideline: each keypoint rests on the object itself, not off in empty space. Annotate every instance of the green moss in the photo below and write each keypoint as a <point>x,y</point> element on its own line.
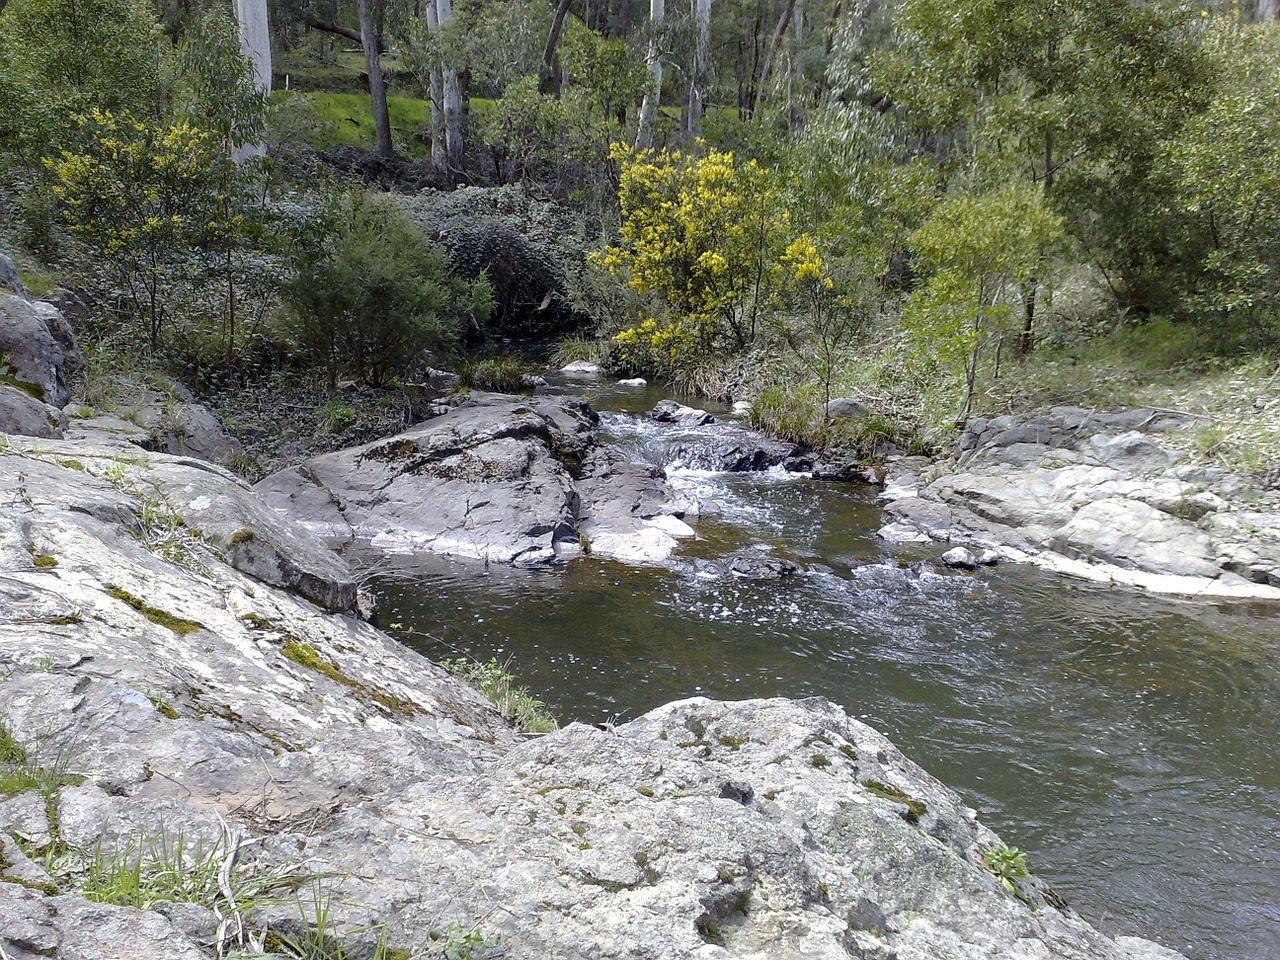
<point>44,560</point>
<point>733,743</point>
<point>242,536</point>
<point>915,808</point>
<point>163,706</point>
<point>394,450</point>
<point>849,752</point>
<point>40,886</point>
<point>305,655</point>
<point>819,760</point>
<point>32,390</point>
<point>644,791</point>
<point>66,620</point>
<point>71,463</point>
<point>396,705</point>
<point>157,616</point>
<point>258,621</point>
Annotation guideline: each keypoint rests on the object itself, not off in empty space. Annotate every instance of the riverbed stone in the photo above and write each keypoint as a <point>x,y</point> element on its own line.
<point>521,481</point>
<point>583,369</point>
<point>960,558</point>
<point>672,411</point>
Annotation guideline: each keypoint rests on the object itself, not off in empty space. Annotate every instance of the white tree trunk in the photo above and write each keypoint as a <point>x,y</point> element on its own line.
<point>698,69</point>
<point>1268,9</point>
<point>653,63</point>
<point>255,43</point>
<point>435,84</point>
<point>452,96</point>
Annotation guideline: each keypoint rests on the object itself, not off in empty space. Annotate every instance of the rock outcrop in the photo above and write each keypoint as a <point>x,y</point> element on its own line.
<point>35,345</point>
<point>159,695</point>
<point>1094,495</point>
<point>497,478</point>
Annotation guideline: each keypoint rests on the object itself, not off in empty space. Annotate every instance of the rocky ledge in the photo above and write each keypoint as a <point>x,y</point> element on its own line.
<point>174,703</point>
<point>519,480</point>
<point>1097,496</point>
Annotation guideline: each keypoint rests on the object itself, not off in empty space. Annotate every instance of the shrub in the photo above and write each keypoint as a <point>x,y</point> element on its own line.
<point>501,374</point>
<point>528,249</point>
<point>376,295</point>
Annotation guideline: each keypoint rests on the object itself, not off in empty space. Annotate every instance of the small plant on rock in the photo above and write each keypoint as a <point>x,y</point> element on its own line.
<point>1007,864</point>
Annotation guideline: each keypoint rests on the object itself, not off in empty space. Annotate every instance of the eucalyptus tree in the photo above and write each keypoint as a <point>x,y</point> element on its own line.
<point>1071,96</point>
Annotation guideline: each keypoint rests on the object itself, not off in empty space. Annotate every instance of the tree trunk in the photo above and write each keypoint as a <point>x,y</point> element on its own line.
<point>795,82</point>
<point>779,33</point>
<point>452,97</point>
<point>653,63</point>
<point>698,67</point>
<point>1268,9</point>
<point>371,43</point>
<point>255,43</point>
<point>435,89</point>
<point>622,18</point>
<point>549,82</point>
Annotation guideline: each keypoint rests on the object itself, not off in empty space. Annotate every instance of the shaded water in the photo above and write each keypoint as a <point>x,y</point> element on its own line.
<point>1130,745</point>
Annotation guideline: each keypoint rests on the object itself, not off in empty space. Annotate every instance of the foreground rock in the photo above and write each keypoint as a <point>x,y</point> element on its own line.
<point>506,480</point>
<point>1094,495</point>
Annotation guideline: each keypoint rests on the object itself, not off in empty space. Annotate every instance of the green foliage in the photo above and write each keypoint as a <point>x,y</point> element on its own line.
<point>63,58</point>
<point>501,374</point>
<point>1007,864</point>
<point>1223,170</point>
<point>527,249</point>
<point>499,687</point>
<point>135,196</point>
<point>458,942</point>
<point>980,251</point>
<point>1072,96</point>
<point>217,90</point>
<point>375,295</point>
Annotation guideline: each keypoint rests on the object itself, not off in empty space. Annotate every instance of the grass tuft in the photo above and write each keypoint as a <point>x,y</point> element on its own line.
<point>499,687</point>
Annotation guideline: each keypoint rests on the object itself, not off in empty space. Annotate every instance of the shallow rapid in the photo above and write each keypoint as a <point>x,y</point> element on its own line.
<point>1129,745</point>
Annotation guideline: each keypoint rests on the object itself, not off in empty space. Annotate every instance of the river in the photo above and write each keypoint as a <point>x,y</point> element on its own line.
<point>1129,744</point>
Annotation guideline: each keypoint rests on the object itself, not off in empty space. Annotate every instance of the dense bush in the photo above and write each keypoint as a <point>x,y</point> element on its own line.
<point>376,294</point>
<point>528,249</point>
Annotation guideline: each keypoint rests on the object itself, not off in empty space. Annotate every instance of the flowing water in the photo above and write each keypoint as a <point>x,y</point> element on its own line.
<point>1129,745</point>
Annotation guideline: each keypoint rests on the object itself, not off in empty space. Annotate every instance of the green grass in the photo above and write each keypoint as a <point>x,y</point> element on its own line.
<point>20,771</point>
<point>499,687</point>
<point>500,374</point>
<point>347,119</point>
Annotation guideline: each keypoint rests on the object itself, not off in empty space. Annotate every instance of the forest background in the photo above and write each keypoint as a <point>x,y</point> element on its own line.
<point>935,210</point>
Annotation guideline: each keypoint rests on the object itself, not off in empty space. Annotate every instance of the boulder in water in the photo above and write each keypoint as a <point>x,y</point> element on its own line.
<point>634,382</point>
<point>581,368</point>
<point>669,411</point>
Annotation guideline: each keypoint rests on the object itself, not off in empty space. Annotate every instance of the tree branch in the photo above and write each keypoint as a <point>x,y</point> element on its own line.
<point>332,28</point>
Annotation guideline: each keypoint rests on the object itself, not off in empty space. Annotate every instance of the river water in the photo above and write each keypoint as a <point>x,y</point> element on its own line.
<point>1130,745</point>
